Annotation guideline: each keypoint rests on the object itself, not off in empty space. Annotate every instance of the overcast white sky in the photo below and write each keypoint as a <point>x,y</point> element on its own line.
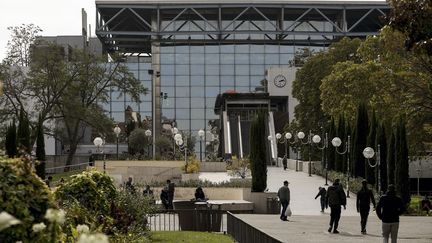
<point>54,17</point>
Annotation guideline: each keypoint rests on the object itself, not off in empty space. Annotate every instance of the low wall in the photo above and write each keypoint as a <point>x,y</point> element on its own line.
<point>213,167</point>
<point>212,193</point>
<point>141,171</point>
<point>303,165</point>
<point>260,200</point>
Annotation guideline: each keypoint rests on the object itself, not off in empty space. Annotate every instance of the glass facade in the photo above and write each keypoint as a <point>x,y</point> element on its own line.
<point>208,49</point>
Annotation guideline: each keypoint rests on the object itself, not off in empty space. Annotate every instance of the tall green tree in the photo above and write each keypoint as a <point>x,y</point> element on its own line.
<point>402,163</point>
<point>23,133</point>
<point>359,140</point>
<point>11,140</point>
<point>18,47</point>
<point>370,173</point>
<point>258,153</point>
<point>382,141</point>
<point>40,150</point>
<point>391,163</point>
<point>308,79</point>
<point>331,153</point>
<point>340,132</point>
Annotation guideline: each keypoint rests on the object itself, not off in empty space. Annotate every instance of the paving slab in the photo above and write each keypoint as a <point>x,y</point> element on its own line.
<point>305,228</point>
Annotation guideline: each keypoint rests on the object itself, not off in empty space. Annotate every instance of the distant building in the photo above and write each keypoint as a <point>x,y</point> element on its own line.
<point>187,52</point>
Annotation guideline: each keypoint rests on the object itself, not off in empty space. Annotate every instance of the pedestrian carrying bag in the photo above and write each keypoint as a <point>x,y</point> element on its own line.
<point>288,211</point>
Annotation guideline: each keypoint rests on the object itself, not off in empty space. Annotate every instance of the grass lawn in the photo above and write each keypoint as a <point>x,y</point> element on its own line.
<point>189,237</point>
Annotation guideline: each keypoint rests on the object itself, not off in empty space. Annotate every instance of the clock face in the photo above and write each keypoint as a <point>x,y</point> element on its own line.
<point>280,81</point>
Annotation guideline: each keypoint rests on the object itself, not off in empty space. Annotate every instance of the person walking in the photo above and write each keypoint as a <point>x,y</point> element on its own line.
<point>171,189</point>
<point>388,210</point>
<point>284,198</point>
<point>335,198</point>
<point>322,194</point>
<point>130,186</point>
<point>364,198</point>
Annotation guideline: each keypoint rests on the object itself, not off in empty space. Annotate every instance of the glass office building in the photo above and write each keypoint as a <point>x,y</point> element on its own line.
<point>188,52</point>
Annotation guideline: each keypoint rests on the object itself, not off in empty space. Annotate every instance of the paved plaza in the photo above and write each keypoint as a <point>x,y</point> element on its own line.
<point>308,224</point>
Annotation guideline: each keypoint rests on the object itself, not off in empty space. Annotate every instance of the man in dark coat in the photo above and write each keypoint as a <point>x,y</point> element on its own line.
<point>322,194</point>
<point>284,198</point>
<point>364,198</point>
<point>335,199</point>
<point>171,189</point>
<point>388,210</point>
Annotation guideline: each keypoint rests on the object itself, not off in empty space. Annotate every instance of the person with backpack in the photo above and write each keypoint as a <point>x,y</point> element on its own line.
<point>364,198</point>
<point>335,199</point>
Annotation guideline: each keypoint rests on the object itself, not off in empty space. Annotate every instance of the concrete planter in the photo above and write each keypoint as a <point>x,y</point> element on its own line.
<point>190,177</point>
<point>264,202</point>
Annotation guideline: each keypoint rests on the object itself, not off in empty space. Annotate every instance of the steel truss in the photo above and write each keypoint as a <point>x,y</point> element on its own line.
<point>132,28</point>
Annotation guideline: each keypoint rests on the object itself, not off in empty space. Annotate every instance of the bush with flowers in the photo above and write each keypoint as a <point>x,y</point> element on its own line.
<point>24,195</point>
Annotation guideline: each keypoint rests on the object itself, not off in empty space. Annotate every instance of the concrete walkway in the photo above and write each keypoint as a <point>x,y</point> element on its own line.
<point>302,187</point>
<point>308,224</point>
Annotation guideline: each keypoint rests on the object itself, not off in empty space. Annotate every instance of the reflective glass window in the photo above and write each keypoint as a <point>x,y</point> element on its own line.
<point>168,113</point>
<point>167,69</point>
<point>227,58</point>
<point>242,81</point>
<point>257,58</point>
<point>243,89</point>
<point>271,59</point>
<point>242,48</point>
<point>197,125</point>
<point>145,107</point>
<point>143,75</point>
<point>168,102</point>
<point>197,113</point>
<point>197,49</point>
<point>197,91</point>
<point>197,102</point>
<point>182,91</point>
<point>167,80</point>
<point>211,59</point>
<point>197,69</point>
<point>211,91</point>
<point>271,49</point>
<point>212,69</point>
<point>241,58</point>
<point>182,114</point>
<point>117,116</point>
<point>197,80</point>
<point>182,69</point>
<point>182,102</point>
<point>212,49</point>
<point>182,80</point>
<point>118,106</point>
<point>257,70</point>
<point>210,102</point>
<point>183,124</point>
<point>167,58</point>
<point>212,80</point>
<point>133,105</point>
<point>286,58</point>
<point>286,49</point>
<point>255,80</point>
<point>197,58</point>
<point>227,48</point>
<point>181,49</point>
<point>210,114</point>
<point>257,49</point>
<point>242,69</point>
<point>181,58</point>
<point>132,65</point>
<point>227,80</point>
<point>227,69</point>
<point>167,49</point>
<point>227,88</point>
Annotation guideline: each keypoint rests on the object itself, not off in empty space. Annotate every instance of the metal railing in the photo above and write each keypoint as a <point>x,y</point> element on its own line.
<point>60,169</point>
<point>189,220</point>
<point>245,233</point>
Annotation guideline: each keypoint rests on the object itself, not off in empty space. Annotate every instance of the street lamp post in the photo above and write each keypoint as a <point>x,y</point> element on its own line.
<point>148,134</point>
<point>98,142</point>
<point>287,136</point>
<point>201,134</point>
<point>369,153</point>
<point>317,139</point>
<point>301,135</point>
<point>336,142</point>
<point>182,147</point>
<point>117,131</point>
<point>174,132</point>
